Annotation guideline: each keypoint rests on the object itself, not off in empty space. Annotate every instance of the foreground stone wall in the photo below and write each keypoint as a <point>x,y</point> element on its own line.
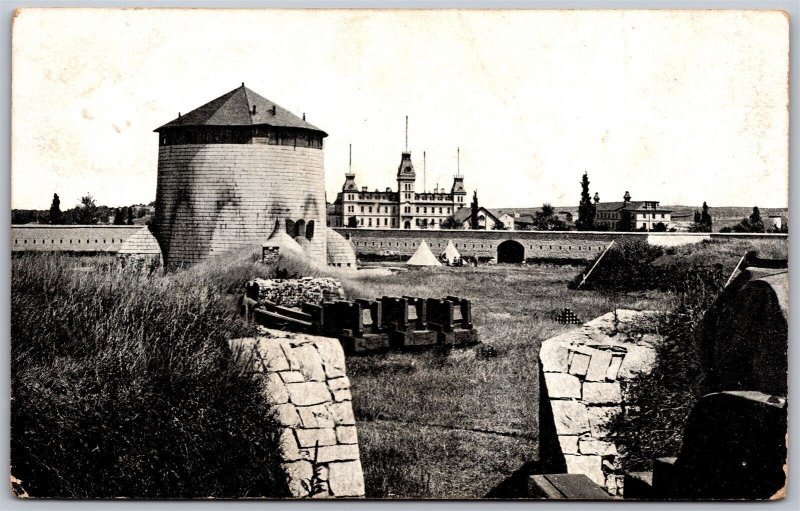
<point>294,292</point>
<point>306,385</point>
<point>585,371</point>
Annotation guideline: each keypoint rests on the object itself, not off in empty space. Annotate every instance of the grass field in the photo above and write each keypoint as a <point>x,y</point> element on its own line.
<point>453,426</point>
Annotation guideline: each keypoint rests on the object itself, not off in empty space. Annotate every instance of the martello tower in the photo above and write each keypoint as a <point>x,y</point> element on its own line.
<point>232,170</point>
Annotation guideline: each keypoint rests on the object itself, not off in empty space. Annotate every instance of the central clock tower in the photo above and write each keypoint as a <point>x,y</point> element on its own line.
<point>406,179</point>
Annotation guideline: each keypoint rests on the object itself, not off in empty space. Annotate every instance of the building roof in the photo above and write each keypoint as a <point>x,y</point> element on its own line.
<point>463,214</point>
<point>236,109</point>
<point>632,205</point>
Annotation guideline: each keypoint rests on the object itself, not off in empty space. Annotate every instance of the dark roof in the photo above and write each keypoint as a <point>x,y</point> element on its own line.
<point>464,213</point>
<point>235,109</point>
<point>633,205</point>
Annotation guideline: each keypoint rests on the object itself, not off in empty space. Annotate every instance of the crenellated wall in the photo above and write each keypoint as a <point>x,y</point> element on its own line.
<point>213,198</point>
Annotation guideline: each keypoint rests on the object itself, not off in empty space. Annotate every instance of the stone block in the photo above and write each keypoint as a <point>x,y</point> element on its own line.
<point>274,389</point>
<point>339,383</point>
<point>591,466</point>
<point>579,363</point>
<point>340,452</point>
<point>292,377</point>
<point>308,393</point>
<point>310,362</point>
<point>600,419</point>
<point>342,395</point>
<point>291,359</point>
<point>553,356</point>
<point>639,359</point>
<point>346,479</point>
<point>332,357</point>
<point>598,366</point>
<point>562,386</point>
<point>569,444</point>
<point>287,446</point>
<point>570,417</point>
<point>346,435</point>
<point>598,393</point>
<point>272,355</point>
<point>314,437</point>
<point>316,416</point>
<point>342,413</point>
<point>286,415</point>
<point>613,368</point>
<point>298,477</point>
<point>588,445</point>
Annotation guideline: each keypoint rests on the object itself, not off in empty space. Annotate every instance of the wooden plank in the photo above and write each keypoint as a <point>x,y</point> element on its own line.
<point>577,487</point>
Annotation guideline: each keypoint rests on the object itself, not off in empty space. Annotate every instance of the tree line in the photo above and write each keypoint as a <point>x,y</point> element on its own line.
<point>86,212</point>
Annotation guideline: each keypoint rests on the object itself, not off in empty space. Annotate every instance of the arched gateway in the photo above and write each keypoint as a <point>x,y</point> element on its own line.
<point>510,251</point>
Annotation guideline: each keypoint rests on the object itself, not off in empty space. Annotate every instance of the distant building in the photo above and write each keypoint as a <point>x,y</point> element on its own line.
<point>487,219</point>
<point>403,208</point>
<point>644,215</point>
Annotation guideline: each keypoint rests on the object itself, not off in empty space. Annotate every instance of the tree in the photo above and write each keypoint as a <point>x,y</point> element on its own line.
<point>756,223</point>
<point>586,210</point>
<point>86,212</point>
<point>625,223</point>
<point>451,223</point>
<point>119,216</point>
<point>546,220</point>
<point>705,218</point>
<point>697,217</point>
<point>56,217</point>
<point>473,219</point>
<point>130,216</point>
<point>660,227</point>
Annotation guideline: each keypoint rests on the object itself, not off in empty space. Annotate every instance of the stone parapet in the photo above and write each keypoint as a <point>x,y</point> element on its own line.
<point>307,388</point>
<point>294,292</point>
<point>584,373</point>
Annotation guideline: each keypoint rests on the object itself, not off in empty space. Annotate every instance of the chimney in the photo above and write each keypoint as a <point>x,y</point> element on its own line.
<point>596,197</point>
<point>627,197</point>
<point>274,110</point>
<point>254,110</point>
<point>363,188</point>
<point>304,116</point>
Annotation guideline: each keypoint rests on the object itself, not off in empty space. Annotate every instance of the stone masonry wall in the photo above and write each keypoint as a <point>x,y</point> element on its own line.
<point>294,292</point>
<point>306,385</point>
<point>585,371</point>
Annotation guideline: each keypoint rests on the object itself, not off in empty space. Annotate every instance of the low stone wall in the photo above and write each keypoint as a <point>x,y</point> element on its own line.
<point>585,371</point>
<point>294,292</point>
<point>306,385</point>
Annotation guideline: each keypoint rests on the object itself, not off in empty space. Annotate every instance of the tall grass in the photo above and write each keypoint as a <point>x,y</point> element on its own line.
<point>122,386</point>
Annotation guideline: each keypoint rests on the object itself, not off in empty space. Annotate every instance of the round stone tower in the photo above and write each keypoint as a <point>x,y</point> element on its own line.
<point>229,170</point>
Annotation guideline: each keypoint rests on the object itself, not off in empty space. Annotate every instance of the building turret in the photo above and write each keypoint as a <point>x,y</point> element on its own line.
<point>596,198</point>
<point>627,197</point>
<point>349,183</point>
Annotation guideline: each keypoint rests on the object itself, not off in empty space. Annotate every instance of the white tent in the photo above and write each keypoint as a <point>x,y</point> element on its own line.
<point>451,253</point>
<point>423,256</point>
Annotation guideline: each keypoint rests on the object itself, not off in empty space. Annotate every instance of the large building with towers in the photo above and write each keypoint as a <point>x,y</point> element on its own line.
<point>406,207</point>
<point>233,171</point>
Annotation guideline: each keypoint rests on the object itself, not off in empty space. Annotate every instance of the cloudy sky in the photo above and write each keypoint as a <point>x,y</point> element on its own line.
<point>679,107</point>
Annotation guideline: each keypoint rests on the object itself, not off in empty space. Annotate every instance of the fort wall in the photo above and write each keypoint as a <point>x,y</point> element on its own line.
<point>70,238</point>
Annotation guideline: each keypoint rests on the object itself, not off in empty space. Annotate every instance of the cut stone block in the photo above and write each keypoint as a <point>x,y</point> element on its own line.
<point>570,417</point>
<point>342,395</point>
<point>291,358</point>
<point>595,446</point>
<point>562,386</point>
<point>600,419</point>
<point>332,357</point>
<point>272,355</point>
<point>601,393</point>
<point>569,444</point>
<point>639,359</point>
<point>591,466</point>
<point>346,479</point>
<point>298,477</point>
<point>316,416</point>
<point>346,435</point>
<point>308,393</point>
<point>311,437</point>
<point>329,453</point>
<point>310,362</point>
<point>342,413</point>
<point>292,376</point>
<point>339,383</point>
<point>598,366</point>
<point>274,390</point>
<point>286,415</point>
<point>613,368</point>
<point>553,356</point>
<point>287,446</point>
<point>579,363</point>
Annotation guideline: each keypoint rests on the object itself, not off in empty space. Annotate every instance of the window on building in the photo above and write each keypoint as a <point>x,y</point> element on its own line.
<point>370,209</point>
<point>425,210</point>
<point>370,222</point>
<point>417,209</point>
<point>385,221</point>
<point>360,221</point>
<point>362,209</point>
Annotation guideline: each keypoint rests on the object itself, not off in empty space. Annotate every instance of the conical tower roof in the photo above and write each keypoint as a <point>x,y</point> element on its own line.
<point>423,256</point>
<point>241,107</point>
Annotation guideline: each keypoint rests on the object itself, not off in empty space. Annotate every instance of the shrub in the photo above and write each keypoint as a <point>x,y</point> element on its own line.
<point>123,386</point>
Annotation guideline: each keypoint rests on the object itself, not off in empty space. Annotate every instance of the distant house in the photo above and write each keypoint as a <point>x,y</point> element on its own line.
<point>522,219</point>
<point>487,219</point>
<point>644,215</point>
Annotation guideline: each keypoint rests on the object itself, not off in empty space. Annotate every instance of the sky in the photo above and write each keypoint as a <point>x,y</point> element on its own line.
<point>676,106</point>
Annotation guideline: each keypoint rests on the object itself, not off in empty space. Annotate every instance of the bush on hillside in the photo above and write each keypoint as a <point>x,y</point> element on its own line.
<point>123,386</point>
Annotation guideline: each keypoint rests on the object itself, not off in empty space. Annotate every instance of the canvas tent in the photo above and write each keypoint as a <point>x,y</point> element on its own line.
<point>451,253</point>
<point>423,256</point>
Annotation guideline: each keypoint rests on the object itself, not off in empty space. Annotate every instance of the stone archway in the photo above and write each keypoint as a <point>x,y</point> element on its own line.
<point>510,251</point>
